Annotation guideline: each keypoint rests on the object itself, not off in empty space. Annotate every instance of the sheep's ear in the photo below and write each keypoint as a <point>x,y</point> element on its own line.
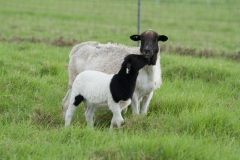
<point>128,67</point>
<point>162,38</point>
<point>135,37</point>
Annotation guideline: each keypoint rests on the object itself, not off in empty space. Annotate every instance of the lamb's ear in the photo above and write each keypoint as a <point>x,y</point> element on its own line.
<point>162,38</point>
<point>128,67</point>
<point>135,37</point>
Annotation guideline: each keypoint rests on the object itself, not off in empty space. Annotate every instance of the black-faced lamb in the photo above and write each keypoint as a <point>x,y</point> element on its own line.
<point>98,90</point>
<point>107,58</point>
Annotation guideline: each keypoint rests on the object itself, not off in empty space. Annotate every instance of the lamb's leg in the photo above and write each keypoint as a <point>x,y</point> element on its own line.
<point>89,114</point>
<point>72,75</point>
<point>75,100</point>
<point>145,103</point>
<point>117,118</point>
<point>69,114</point>
<point>135,104</point>
<point>65,102</point>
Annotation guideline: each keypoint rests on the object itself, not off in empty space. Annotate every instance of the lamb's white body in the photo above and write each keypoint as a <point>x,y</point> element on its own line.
<point>108,58</point>
<point>94,92</point>
<point>94,87</point>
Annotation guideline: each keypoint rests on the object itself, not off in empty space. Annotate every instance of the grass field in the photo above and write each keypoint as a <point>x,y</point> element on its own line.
<point>207,24</point>
<point>194,115</point>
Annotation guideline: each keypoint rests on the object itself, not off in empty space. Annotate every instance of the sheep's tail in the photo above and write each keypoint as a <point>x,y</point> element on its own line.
<point>78,99</point>
<point>78,46</point>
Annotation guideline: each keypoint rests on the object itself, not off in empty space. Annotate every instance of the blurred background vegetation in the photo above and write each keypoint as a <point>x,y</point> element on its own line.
<point>202,24</point>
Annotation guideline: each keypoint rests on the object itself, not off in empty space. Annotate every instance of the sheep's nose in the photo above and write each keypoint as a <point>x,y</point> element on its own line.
<point>147,53</point>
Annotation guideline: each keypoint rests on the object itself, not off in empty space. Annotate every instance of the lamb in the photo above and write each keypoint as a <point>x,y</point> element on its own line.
<point>98,90</point>
<point>107,58</point>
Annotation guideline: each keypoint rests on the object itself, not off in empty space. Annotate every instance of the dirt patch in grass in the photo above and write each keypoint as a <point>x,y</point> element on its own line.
<point>60,41</point>
<point>44,119</point>
<point>203,52</point>
<point>168,48</point>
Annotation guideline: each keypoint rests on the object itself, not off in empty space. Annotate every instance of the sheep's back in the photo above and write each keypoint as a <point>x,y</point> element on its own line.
<point>106,58</point>
<point>93,86</point>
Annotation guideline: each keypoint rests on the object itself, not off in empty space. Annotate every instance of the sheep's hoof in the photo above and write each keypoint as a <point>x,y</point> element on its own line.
<point>122,123</point>
<point>114,125</point>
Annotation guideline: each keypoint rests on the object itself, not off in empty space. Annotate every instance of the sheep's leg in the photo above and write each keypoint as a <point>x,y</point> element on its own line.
<point>65,102</point>
<point>72,73</point>
<point>69,114</point>
<point>89,114</point>
<point>117,118</point>
<point>124,105</point>
<point>145,103</point>
<point>135,104</point>
<point>75,100</point>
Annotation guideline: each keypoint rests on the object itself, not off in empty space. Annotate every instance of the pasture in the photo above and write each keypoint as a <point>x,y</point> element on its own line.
<point>194,115</point>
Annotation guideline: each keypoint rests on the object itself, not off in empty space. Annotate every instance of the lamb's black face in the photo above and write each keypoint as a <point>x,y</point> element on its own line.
<point>149,42</point>
<point>135,62</point>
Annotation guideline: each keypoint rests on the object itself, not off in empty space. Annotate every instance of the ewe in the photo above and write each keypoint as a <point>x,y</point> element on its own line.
<point>98,90</point>
<point>108,58</point>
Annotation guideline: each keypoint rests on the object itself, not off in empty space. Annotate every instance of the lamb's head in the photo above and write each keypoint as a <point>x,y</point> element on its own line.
<point>134,62</point>
<point>149,42</point>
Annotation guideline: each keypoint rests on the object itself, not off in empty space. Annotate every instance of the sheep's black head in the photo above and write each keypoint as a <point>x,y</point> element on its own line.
<point>149,42</point>
<point>134,62</point>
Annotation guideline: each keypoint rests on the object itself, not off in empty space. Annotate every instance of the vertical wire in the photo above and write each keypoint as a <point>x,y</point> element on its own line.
<point>138,25</point>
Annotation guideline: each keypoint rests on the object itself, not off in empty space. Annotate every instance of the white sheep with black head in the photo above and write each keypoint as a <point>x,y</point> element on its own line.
<point>99,90</point>
<point>108,58</point>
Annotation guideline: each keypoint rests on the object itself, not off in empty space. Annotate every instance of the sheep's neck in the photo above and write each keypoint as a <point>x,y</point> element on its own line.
<point>122,85</point>
<point>153,59</point>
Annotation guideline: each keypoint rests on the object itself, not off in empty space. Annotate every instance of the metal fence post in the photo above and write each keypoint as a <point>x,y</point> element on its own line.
<point>138,23</point>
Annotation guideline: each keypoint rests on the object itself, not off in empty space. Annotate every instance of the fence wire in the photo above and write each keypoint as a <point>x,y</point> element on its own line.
<point>200,24</point>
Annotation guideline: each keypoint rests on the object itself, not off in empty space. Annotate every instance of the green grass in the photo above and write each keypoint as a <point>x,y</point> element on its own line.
<point>194,115</point>
<point>200,24</point>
